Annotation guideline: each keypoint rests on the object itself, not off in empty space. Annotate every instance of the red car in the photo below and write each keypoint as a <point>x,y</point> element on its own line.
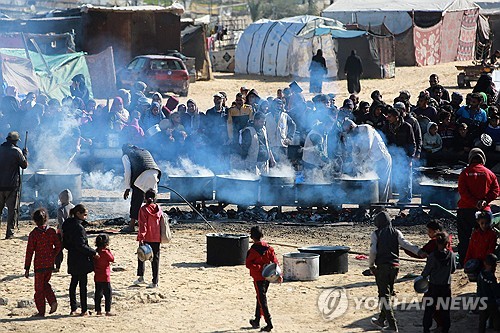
<point>161,73</point>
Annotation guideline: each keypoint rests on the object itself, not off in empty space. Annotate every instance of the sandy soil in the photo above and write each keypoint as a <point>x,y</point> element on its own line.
<point>194,297</point>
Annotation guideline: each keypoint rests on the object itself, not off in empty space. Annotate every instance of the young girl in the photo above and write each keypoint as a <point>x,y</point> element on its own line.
<point>80,256</point>
<point>45,244</point>
<point>483,240</point>
<point>150,216</point>
<point>102,274</point>
<point>439,267</point>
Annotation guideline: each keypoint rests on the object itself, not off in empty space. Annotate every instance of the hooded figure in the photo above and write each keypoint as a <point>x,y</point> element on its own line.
<point>317,70</point>
<point>384,263</point>
<point>353,70</point>
<point>432,142</point>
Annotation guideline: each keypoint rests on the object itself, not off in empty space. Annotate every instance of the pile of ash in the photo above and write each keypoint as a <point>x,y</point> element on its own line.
<point>417,216</point>
<point>257,213</point>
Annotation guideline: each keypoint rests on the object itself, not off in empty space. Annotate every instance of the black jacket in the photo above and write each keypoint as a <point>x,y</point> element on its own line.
<point>402,137</point>
<point>12,159</point>
<point>80,254</point>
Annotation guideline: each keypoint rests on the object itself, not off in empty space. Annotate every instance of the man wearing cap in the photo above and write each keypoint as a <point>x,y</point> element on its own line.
<point>255,152</point>
<point>478,187</point>
<point>404,108</point>
<point>402,147</point>
<point>12,158</point>
<point>237,118</point>
<point>369,153</point>
<point>141,174</point>
<point>280,129</point>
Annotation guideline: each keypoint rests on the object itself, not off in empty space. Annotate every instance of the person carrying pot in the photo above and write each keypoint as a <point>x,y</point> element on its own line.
<point>141,174</point>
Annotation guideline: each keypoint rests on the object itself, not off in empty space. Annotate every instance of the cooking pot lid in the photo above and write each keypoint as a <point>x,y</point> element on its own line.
<point>236,177</point>
<point>234,236</point>
<point>326,248</point>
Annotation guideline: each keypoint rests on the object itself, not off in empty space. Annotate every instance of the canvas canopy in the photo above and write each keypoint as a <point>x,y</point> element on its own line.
<point>286,47</point>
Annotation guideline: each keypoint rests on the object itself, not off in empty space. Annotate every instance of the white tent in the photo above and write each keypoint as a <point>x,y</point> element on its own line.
<point>265,47</point>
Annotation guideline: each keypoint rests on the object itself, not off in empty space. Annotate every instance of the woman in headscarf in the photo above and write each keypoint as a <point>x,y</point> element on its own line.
<point>318,69</point>
<point>158,99</point>
<point>119,115</point>
<point>486,85</point>
<point>79,89</point>
<point>152,117</point>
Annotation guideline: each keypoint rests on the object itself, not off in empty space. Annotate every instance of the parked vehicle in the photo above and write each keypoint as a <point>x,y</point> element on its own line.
<point>161,73</point>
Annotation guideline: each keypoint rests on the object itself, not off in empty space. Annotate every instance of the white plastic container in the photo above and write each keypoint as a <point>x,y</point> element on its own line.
<point>300,266</point>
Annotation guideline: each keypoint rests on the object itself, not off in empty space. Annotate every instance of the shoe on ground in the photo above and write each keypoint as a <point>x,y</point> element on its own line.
<point>390,329</point>
<point>140,280</point>
<point>266,328</point>
<point>53,307</point>
<point>127,230</point>
<point>10,236</point>
<point>255,323</point>
<point>38,315</point>
<point>376,322</point>
<point>110,314</point>
<point>153,285</point>
<point>98,313</point>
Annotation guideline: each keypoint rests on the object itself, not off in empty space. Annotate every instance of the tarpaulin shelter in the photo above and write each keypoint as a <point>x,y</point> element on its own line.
<point>491,10</point>
<point>52,74</point>
<point>131,30</point>
<point>285,47</point>
<point>193,39</point>
<point>427,31</point>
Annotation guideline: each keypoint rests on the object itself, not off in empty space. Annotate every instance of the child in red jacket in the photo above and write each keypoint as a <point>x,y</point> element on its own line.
<point>433,228</point>
<point>150,233</point>
<point>45,244</point>
<point>259,255</point>
<point>483,240</point>
<point>102,274</point>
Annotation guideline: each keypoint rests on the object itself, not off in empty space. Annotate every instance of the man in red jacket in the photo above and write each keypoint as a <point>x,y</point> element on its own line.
<point>477,186</point>
<point>259,255</point>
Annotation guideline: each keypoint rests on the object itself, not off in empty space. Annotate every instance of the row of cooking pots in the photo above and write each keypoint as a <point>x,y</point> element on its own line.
<point>273,190</point>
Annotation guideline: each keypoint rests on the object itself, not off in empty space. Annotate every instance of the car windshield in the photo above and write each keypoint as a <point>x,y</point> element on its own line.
<point>166,65</point>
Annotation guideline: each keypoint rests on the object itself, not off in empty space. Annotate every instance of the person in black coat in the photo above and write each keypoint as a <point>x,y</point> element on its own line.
<point>78,88</point>
<point>317,70</point>
<point>80,256</point>
<point>402,147</point>
<point>353,70</point>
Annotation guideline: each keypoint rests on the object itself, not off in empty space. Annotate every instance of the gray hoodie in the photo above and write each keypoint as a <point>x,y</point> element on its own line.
<point>65,198</point>
<point>439,267</point>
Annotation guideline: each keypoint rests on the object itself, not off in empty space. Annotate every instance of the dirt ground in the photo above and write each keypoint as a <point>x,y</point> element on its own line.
<point>195,297</point>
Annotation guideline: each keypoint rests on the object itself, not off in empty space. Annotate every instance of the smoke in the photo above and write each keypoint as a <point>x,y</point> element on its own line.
<point>243,175</point>
<point>186,168</point>
<point>283,169</point>
<point>99,180</point>
<point>424,180</point>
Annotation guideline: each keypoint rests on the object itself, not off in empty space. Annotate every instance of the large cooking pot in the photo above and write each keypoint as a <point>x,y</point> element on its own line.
<point>444,194</point>
<point>29,186</point>
<point>332,259</point>
<point>237,190</point>
<point>50,183</point>
<point>277,190</point>
<point>192,188</point>
<point>300,266</point>
<point>360,191</point>
<point>317,194</point>
<point>226,249</point>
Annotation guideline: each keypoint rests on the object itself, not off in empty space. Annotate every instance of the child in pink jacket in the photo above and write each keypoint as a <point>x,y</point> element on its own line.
<point>149,233</point>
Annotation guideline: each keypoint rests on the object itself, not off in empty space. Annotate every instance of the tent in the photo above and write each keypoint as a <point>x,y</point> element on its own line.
<point>427,31</point>
<point>285,47</point>
<point>194,45</point>
<point>52,74</point>
<point>491,10</point>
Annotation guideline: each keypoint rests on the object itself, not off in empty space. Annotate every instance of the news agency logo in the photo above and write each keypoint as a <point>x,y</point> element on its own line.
<point>334,302</point>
